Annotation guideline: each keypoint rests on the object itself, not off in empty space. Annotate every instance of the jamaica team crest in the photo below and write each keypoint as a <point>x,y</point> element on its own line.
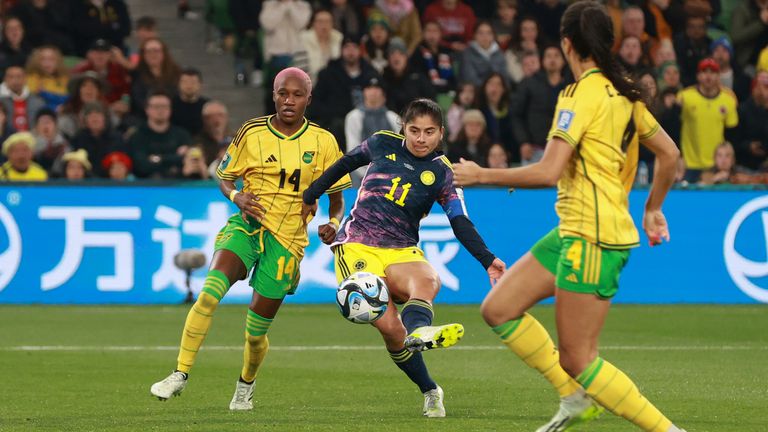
<point>308,156</point>
<point>428,178</point>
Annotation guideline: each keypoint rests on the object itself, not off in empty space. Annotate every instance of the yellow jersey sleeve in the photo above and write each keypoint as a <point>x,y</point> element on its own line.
<point>731,114</point>
<point>234,162</point>
<point>573,116</point>
<point>647,125</point>
<point>331,155</point>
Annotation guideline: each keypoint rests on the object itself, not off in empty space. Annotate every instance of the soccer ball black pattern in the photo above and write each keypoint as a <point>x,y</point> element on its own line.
<point>362,298</point>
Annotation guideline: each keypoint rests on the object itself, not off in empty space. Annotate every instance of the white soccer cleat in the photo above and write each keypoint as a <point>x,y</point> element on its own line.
<point>172,385</point>
<point>431,337</point>
<point>242,400</point>
<point>433,403</point>
<point>574,410</point>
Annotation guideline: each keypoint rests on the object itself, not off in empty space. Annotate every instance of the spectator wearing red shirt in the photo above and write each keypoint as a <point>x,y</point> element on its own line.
<point>22,106</point>
<point>456,19</point>
<point>99,61</point>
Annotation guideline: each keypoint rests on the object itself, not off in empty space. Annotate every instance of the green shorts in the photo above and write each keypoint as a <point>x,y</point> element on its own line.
<point>275,269</point>
<point>579,265</point>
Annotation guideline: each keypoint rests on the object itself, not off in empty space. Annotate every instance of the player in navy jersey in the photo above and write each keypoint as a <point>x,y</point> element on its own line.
<point>405,176</point>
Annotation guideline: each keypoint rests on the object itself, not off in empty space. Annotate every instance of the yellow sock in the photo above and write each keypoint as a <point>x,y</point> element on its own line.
<point>527,338</point>
<point>618,394</point>
<point>256,344</point>
<point>199,319</point>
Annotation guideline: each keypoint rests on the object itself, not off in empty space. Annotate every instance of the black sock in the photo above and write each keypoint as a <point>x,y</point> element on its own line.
<point>413,366</point>
<point>416,313</point>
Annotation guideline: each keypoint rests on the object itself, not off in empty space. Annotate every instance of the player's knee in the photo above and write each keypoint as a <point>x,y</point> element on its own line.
<point>574,361</point>
<point>206,303</point>
<point>495,313</point>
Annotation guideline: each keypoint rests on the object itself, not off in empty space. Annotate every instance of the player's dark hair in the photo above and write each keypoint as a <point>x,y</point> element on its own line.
<point>590,29</point>
<point>423,107</point>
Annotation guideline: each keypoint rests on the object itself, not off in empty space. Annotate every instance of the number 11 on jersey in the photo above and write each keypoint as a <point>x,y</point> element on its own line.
<point>391,194</point>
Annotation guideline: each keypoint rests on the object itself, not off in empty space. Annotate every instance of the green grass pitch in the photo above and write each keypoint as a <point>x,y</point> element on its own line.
<point>706,367</point>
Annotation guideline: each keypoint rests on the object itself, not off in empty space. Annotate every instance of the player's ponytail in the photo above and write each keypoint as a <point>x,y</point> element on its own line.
<point>423,107</point>
<point>589,28</point>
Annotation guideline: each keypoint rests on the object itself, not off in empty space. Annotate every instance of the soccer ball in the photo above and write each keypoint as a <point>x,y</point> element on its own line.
<point>362,298</point>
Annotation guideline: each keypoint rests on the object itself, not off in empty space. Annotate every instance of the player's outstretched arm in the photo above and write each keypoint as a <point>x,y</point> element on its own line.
<point>544,173</point>
<point>345,165</point>
<point>667,154</point>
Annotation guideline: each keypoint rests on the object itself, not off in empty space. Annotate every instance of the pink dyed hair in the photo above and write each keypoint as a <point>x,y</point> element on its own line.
<point>293,72</point>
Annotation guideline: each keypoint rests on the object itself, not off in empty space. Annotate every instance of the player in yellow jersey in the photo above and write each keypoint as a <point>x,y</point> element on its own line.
<point>593,141</point>
<point>277,157</point>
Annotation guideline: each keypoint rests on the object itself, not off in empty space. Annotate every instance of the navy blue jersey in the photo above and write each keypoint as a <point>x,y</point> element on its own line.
<point>398,190</point>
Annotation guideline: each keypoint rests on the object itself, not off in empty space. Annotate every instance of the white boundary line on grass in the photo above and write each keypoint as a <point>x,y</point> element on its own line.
<point>76,348</point>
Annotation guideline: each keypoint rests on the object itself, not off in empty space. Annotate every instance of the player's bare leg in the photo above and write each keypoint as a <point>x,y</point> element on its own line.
<point>226,269</point>
<point>261,312</point>
<point>393,332</point>
<point>526,283</point>
<point>419,283</point>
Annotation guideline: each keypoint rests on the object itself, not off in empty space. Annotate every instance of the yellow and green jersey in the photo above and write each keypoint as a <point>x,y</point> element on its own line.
<point>278,169</point>
<point>704,121</point>
<point>603,127</point>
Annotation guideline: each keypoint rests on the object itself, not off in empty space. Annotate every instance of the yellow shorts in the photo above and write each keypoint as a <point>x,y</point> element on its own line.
<point>357,257</point>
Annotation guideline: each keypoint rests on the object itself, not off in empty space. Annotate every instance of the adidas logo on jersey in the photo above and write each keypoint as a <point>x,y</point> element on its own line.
<point>572,278</point>
<point>392,157</point>
<point>271,159</point>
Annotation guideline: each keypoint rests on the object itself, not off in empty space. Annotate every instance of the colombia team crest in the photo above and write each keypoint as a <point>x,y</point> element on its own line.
<point>308,156</point>
<point>428,178</point>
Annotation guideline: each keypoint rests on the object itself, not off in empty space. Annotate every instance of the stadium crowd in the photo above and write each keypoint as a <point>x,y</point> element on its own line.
<point>76,101</point>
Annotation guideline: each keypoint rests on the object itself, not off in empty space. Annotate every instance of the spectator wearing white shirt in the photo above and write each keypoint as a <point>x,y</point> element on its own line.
<point>321,42</point>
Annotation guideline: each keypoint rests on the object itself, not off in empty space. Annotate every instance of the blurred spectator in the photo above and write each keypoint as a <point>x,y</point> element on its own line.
<point>669,76</point>
<point>400,83</point>
<point>220,26</point>
<point>691,47</point>
<point>455,18</point>
<point>158,146</point>
<point>370,117</point>
<point>46,22</point>
<point>18,149</point>
<point>193,166</point>
<point>494,103</point>
<point>525,39</point>
<point>282,21</point>
<point>707,111</point>
<point>752,148</point>
<point>725,166</point>
<point>118,166</point>
<point>433,60</point>
<point>504,22</point>
<point>156,72</point>
<point>339,89</point>
<point>472,142</point>
<point>322,42</point>
<point>483,57</point>
<point>670,113</point>
<point>187,104</point>
<point>484,9</point>
<point>47,77</point>
<point>50,144</point>
<point>497,157</point>
<point>731,75</point>
<point>533,105</point>
<point>347,17</point>
<point>5,129</point>
<point>615,11</point>
<point>548,13</point>
<point>403,20</point>
<point>84,89</point>
<point>375,43</point>
<point>656,106</point>
<point>96,137</point>
<point>466,98</point>
<point>100,60</point>
<point>631,56</point>
<point>145,29</point>
<point>749,30</point>
<point>14,49</point>
<point>633,25</point>
<point>665,53</point>
<point>531,63</point>
<point>99,19</point>
<point>76,166</point>
<point>215,135</point>
<point>247,41</point>
<point>21,105</point>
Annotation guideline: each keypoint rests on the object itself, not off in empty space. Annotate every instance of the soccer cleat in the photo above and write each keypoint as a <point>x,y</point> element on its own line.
<point>172,385</point>
<point>575,409</point>
<point>433,403</point>
<point>431,337</point>
<point>243,397</point>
